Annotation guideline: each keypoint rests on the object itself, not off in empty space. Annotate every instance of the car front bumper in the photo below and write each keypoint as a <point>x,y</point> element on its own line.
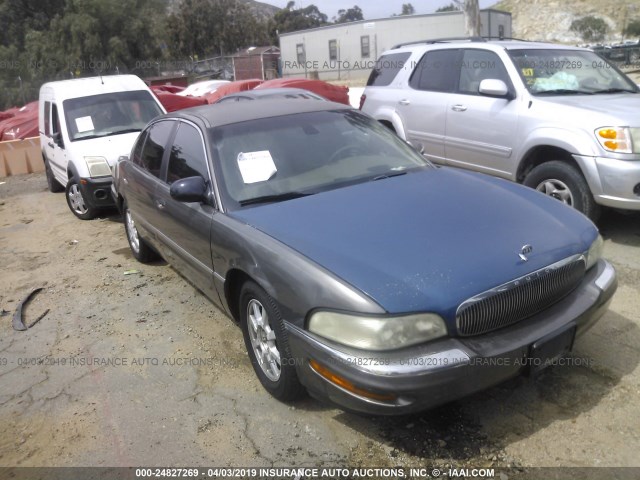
<point>614,183</point>
<point>444,370</point>
<point>97,191</point>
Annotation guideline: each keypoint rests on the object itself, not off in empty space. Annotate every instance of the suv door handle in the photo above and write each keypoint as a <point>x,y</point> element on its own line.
<point>405,101</point>
<point>458,108</point>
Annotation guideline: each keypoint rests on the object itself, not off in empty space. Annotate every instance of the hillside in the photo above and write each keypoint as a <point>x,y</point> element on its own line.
<point>261,10</point>
<point>550,20</point>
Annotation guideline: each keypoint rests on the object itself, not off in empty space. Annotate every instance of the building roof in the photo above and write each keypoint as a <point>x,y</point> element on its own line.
<point>257,51</point>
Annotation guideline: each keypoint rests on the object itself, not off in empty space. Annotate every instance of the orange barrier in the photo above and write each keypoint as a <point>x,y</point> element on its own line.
<point>18,157</point>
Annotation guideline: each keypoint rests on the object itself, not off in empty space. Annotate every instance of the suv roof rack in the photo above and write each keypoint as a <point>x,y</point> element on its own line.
<point>455,39</point>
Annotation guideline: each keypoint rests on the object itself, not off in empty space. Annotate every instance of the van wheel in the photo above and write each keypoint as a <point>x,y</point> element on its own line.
<point>52,184</point>
<point>265,338</point>
<point>141,251</point>
<point>565,183</point>
<point>77,203</point>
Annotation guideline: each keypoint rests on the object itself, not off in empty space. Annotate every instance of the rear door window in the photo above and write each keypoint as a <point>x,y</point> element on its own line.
<point>386,69</point>
<point>437,71</point>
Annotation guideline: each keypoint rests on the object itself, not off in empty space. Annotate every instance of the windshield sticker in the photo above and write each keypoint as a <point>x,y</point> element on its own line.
<point>528,72</point>
<point>558,81</point>
<point>84,124</point>
<point>256,166</point>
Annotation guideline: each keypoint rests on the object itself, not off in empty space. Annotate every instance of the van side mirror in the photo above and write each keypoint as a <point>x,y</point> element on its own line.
<point>191,189</point>
<point>494,88</point>
<point>57,138</point>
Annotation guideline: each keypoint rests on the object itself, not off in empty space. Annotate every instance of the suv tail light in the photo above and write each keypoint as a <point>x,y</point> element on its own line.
<point>363,97</point>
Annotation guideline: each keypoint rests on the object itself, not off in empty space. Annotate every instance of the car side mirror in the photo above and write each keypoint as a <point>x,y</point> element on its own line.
<point>494,88</point>
<point>57,138</point>
<point>190,189</point>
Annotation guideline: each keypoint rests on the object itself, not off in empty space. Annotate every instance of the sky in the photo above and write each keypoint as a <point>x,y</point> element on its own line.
<point>372,8</point>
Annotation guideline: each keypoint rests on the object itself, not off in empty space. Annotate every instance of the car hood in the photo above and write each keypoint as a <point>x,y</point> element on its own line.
<point>426,241</point>
<point>111,147</point>
<point>617,109</point>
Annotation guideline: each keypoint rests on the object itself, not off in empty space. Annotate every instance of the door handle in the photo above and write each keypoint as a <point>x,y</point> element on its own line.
<point>405,101</point>
<point>459,108</point>
<point>160,204</point>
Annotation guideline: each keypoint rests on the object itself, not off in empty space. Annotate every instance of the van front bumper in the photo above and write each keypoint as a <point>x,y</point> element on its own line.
<point>97,191</point>
<point>425,376</point>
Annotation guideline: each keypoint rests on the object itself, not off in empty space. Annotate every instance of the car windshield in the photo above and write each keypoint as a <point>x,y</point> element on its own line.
<point>569,72</point>
<point>109,114</point>
<point>280,158</point>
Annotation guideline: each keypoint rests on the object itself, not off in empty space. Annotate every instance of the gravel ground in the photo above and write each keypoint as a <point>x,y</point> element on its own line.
<point>132,366</point>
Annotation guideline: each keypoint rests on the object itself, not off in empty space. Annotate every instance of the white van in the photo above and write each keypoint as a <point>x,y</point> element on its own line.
<point>85,125</point>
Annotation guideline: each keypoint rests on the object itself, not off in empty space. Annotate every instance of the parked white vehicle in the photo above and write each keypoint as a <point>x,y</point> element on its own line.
<point>85,125</point>
<point>559,119</point>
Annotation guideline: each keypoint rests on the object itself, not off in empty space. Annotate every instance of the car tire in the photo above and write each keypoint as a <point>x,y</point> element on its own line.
<point>139,248</point>
<point>564,182</point>
<point>267,344</point>
<point>52,184</point>
<point>77,203</point>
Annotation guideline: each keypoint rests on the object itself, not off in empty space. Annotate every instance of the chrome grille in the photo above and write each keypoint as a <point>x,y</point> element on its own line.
<point>520,298</point>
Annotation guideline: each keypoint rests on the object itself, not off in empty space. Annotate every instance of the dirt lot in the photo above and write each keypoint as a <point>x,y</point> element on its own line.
<point>140,369</point>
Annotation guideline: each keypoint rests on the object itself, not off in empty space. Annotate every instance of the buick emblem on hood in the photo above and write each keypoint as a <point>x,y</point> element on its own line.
<point>524,251</point>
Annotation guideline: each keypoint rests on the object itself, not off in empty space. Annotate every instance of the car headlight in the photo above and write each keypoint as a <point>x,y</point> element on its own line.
<point>98,166</point>
<point>619,139</point>
<point>595,252</point>
<point>377,333</point>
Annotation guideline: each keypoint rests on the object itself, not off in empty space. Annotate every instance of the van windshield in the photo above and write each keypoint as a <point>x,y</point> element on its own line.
<point>109,114</point>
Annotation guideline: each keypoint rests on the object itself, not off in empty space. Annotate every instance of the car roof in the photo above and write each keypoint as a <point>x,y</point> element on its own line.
<point>276,91</point>
<point>507,44</point>
<point>219,114</point>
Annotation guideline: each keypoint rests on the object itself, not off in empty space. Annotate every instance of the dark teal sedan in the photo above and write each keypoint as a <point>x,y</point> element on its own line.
<point>358,271</point>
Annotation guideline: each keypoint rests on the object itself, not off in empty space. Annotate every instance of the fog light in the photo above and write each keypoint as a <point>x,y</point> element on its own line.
<point>348,386</point>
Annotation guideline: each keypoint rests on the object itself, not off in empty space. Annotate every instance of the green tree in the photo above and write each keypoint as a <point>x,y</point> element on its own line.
<point>407,9</point>
<point>63,38</point>
<point>291,19</point>
<point>350,15</point>
<point>449,8</point>
<point>212,27</point>
<point>590,28</point>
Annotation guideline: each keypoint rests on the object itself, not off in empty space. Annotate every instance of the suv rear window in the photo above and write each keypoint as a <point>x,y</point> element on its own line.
<point>386,69</point>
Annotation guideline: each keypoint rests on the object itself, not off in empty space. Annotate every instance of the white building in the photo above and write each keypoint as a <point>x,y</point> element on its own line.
<point>348,51</point>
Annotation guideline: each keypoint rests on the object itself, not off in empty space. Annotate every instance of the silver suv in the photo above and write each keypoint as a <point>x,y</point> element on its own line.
<point>559,119</point>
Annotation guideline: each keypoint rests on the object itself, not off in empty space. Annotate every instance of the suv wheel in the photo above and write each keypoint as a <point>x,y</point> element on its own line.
<point>140,249</point>
<point>52,184</point>
<point>565,183</point>
<point>266,341</point>
<point>77,203</point>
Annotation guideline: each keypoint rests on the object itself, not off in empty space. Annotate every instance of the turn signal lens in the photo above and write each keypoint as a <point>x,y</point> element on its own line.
<point>608,133</point>
<point>615,139</point>
<point>347,385</point>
